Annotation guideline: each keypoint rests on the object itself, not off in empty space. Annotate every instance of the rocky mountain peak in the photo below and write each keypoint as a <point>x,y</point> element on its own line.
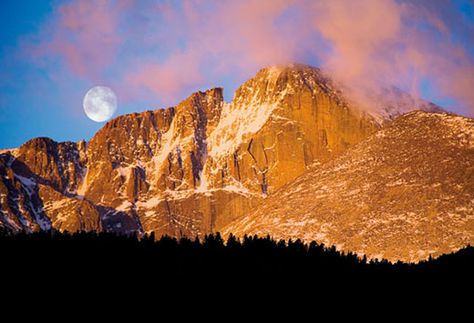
<point>188,169</point>
<point>271,82</point>
<point>58,164</point>
<point>191,168</point>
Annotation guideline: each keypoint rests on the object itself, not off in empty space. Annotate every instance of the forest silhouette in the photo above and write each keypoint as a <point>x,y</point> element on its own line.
<point>108,259</point>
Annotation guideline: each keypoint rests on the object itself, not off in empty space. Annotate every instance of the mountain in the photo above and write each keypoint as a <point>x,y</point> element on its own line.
<point>404,193</point>
<point>37,187</point>
<point>189,169</point>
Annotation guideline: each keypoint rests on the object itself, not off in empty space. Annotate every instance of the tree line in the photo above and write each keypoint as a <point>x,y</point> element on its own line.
<point>108,258</point>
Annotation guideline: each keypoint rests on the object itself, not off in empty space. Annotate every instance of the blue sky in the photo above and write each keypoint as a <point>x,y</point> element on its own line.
<point>34,104</point>
<point>155,53</point>
<point>29,99</point>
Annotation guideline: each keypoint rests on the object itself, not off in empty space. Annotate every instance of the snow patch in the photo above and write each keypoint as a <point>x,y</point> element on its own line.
<point>150,203</point>
<point>125,206</point>
<point>463,126</point>
<point>179,195</point>
<point>203,183</point>
<point>239,189</point>
<point>169,141</point>
<point>28,183</point>
<point>235,124</point>
<point>57,204</point>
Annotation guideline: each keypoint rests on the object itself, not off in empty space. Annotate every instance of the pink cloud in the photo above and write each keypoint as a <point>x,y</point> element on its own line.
<point>168,78</point>
<point>172,48</point>
<point>84,35</point>
<point>380,42</point>
<point>374,43</point>
<point>233,36</point>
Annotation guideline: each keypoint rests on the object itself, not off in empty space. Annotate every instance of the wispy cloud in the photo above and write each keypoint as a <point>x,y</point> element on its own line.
<point>165,49</point>
<point>83,35</point>
<point>383,42</point>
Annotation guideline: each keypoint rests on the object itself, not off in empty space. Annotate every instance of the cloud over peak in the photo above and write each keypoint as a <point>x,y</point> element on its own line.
<point>164,50</point>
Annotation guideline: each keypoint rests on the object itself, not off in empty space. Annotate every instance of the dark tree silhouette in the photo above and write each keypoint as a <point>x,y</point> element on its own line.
<point>110,260</point>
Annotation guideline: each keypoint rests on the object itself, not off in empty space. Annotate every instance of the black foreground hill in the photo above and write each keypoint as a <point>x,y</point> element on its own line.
<point>112,260</point>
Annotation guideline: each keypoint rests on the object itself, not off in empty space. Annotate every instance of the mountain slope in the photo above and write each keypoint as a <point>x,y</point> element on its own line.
<point>189,169</point>
<point>193,168</point>
<point>404,193</point>
<point>37,182</point>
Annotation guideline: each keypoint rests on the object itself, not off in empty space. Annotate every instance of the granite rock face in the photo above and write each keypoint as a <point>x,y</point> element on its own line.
<point>184,170</point>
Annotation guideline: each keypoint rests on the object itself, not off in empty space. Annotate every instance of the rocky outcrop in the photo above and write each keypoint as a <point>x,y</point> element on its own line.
<point>404,193</point>
<point>20,204</point>
<point>59,165</point>
<point>189,169</point>
<point>37,188</point>
<point>279,123</point>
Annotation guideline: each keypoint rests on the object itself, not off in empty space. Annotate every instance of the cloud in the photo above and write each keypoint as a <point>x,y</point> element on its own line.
<point>167,79</point>
<point>222,38</point>
<point>384,42</point>
<point>167,49</point>
<point>83,35</point>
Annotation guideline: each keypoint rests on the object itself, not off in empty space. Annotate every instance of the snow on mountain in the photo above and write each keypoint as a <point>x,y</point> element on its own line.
<point>404,193</point>
<point>189,169</point>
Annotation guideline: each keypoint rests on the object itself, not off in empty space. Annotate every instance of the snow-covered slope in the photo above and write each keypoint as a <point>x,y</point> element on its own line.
<point>404,193</point>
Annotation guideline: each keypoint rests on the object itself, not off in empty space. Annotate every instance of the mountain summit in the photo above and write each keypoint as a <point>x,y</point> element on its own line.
<point>184,170</point>
<point>189,169</point>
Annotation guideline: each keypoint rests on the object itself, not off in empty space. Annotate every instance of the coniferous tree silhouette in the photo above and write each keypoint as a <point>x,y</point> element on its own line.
<point>109,258</point>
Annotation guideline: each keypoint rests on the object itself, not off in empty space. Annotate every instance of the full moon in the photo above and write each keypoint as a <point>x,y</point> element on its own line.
<point>100,103</point>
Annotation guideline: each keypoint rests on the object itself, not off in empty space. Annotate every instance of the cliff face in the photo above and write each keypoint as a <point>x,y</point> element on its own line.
<point>404,193</point>
<point>195,167</point>
<point>189,169</point>
<point>37,188</point>
<point>58,165</point>
<point>279,123</point>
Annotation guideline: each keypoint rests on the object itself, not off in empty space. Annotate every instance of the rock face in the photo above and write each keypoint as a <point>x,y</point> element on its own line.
<point>37,185</point>
<point>59,165</point>
<point>188,169</point>
<point>184,170</point>
<point>404,193</point>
